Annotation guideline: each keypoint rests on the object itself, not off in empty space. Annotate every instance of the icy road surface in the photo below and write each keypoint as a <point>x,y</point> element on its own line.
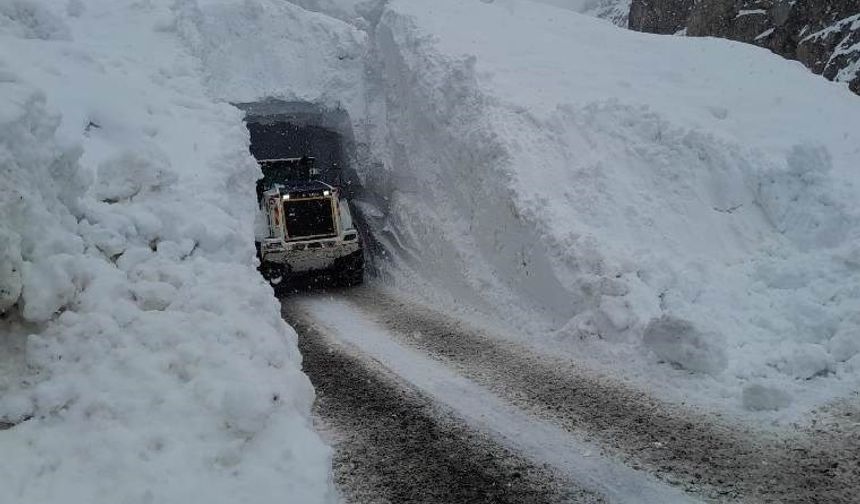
<point>545,430</point>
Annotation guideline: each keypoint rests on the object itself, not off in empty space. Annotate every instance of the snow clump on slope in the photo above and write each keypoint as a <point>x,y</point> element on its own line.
<point>142,359</point>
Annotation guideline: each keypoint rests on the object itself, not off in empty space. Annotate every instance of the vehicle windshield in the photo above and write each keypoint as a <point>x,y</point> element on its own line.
<point>282,171</point>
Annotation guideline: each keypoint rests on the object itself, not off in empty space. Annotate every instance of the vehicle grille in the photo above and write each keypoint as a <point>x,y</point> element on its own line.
<point>309,218</point>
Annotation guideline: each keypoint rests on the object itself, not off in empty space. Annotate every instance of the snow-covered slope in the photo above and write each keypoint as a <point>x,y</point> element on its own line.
<point>628,198</point>
<point>141,356</point>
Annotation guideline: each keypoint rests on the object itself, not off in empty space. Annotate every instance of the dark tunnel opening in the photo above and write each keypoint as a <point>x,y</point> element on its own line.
<point>285,129</point>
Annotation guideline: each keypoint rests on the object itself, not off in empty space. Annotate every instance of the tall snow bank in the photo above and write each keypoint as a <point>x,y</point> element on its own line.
<point>142,359</point>
<point>683,211</point>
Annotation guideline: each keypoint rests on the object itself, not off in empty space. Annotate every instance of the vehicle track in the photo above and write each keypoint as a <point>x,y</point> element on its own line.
<point>725,463</point>
<point>392,445</point>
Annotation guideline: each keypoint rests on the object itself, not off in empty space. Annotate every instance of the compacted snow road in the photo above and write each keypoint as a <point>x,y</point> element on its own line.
<point>424,408</point>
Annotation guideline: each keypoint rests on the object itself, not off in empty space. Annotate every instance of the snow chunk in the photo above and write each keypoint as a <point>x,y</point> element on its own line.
<point>801,201</point>
<point>128,173</point>
<point>803,360</point>
<point>679,342</point>
<point>43,185</point>
<point>49,284</point>
<point>757,397</point>
<point>845,344</point>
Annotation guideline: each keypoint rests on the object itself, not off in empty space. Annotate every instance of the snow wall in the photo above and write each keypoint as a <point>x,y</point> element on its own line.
<point>680,212</point>
<point>142,358</point>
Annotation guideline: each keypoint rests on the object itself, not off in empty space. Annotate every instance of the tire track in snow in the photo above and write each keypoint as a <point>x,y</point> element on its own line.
<point>541,442</point>
<point>394,446</point>
<point>677,445</point>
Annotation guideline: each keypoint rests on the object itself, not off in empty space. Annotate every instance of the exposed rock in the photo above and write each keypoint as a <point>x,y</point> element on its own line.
<point>822,34</point>
<point>660,16</point>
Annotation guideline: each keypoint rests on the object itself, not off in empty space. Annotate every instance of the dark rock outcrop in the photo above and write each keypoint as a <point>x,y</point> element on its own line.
<point>822,34</point>
<point>660,16</point>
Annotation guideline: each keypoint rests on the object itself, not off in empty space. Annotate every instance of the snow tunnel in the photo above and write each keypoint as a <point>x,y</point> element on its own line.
<point>281,129</point>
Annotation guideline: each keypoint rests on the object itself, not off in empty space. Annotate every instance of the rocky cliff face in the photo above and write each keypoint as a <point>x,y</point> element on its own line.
<point>660,16</point>
<point>822,34</point>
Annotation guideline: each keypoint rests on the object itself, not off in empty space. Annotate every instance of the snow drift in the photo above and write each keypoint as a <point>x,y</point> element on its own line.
<point>142,358</point>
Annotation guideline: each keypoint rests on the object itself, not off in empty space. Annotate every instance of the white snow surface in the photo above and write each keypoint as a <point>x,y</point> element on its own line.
<point>141,355</point>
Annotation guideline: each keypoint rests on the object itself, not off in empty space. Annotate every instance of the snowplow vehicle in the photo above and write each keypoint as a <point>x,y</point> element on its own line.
<point>305,226</point>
